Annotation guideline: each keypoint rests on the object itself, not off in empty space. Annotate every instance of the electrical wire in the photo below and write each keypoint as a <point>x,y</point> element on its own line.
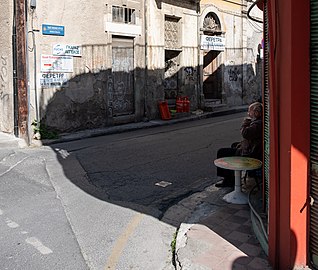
<point>249,11</point>
<point>256,28</point>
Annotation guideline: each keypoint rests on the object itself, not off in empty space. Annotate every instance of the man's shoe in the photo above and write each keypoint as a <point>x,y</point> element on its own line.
<point>224,184</point>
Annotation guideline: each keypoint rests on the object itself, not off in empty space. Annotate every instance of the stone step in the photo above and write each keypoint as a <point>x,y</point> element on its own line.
<point>211,104</point>
<point>212,101</point>
<point>219,107</point>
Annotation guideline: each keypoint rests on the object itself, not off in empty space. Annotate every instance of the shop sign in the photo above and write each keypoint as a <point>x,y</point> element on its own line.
<point>212,43</point>
<point>67,49</point>
<point>53,63</point>
<point>53,30</point>
<point>53,80</point>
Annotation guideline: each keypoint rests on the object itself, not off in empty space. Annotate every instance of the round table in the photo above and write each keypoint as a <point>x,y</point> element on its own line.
<point>237,164</point>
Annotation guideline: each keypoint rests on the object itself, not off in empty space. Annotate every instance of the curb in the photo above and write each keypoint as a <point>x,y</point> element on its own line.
<point>67,137</point>
<point>9,140</point>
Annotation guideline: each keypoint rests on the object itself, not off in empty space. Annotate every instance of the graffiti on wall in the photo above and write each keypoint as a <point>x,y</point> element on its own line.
<point>3,79</point>
<point>110,89</point>
<point>233,74</point>
<point>4,96</point>
<point>122,102</point>
<point>123,80</point>
<point>189,74</point>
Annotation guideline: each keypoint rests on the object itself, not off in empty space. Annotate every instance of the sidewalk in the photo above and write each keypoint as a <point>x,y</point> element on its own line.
<point>217,235</point>
<point>212,234</point>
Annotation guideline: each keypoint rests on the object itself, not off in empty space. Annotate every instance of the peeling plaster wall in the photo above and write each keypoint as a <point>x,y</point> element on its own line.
<point>6,68</point>
<point>155,56</point>
<point>252,81</point>
<point>85,101</point>
<point>188,54</point>
<point>241,67</point>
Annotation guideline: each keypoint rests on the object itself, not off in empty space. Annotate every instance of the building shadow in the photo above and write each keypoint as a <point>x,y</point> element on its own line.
<point>101,99</point>
<point>230,227</point>
<point>104,98</point>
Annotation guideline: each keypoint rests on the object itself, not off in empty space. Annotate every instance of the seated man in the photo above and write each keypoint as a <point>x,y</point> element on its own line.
<point>250,146</point>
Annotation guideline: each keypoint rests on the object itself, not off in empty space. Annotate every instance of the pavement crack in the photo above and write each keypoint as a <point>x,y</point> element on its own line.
<point>13,166</point>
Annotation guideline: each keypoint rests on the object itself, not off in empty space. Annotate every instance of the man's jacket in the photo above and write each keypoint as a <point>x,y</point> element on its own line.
<point>252,143</point>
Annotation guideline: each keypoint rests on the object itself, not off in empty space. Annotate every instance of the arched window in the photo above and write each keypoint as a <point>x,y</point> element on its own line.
<point>211,23</point>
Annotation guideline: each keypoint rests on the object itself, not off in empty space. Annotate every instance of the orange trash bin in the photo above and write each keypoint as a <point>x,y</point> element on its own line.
<point>164,110</point>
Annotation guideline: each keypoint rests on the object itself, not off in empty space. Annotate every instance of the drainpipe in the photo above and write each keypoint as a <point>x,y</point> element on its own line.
<point>37,116</point>
<point>21,71</point>
<point>146,59</point>
<point>14,72</point>
<point>35,83</point>
<point>198,64</point>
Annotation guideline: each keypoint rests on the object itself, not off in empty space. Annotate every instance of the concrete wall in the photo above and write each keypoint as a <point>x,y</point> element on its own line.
<point>6,68</point>
<point>187,57</point>
<point>85,101</point>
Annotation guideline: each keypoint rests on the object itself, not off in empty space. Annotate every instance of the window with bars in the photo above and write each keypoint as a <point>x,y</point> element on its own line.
<point>172,32</point>
<point>123,15</point>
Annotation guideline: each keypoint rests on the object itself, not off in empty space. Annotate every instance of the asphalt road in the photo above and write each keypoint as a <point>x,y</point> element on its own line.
<point>97,203</point>
<point>154,168</point>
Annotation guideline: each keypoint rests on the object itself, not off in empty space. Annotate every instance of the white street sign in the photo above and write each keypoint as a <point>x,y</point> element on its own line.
<point>51,63</point>
<point>67,49</point>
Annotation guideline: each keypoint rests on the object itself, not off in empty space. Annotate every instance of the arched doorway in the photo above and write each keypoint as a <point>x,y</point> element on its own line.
<point>212,61</point>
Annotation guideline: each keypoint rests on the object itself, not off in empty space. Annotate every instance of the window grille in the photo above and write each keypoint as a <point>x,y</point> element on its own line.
<point>123,15</point>
<point>172,33</point>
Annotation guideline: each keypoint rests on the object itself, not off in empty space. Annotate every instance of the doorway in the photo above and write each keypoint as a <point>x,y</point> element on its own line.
<point>123,97</point>
<point>212,75</point>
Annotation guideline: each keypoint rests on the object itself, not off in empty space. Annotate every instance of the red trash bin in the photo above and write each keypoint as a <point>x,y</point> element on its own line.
<point>179,104</point>
<point>186,104</point>
<point>164,110</point>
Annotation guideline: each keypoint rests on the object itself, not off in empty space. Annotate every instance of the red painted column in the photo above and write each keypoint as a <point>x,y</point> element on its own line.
<point>289,132</point>
<point>300,129</point>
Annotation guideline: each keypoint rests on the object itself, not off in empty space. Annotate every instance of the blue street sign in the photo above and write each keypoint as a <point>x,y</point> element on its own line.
<point>55,30</point>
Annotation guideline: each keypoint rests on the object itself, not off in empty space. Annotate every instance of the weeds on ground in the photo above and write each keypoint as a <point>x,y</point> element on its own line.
<point>43,131</point>
<point>173,247</point>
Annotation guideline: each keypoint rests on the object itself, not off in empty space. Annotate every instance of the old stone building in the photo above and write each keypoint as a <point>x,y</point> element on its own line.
<point>231,74</point>
<point>172,52</point>
<point>91,65</point>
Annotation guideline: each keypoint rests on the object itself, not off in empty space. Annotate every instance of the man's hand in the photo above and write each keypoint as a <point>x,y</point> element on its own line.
<point>246,122</point>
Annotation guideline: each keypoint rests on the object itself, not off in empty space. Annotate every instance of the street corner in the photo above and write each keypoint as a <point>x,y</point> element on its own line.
<point>181,240</point>
<point>193,240</point>
<point>10,141</point>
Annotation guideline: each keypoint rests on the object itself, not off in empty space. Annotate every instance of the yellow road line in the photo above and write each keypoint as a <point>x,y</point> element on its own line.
<point>121,242</point>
